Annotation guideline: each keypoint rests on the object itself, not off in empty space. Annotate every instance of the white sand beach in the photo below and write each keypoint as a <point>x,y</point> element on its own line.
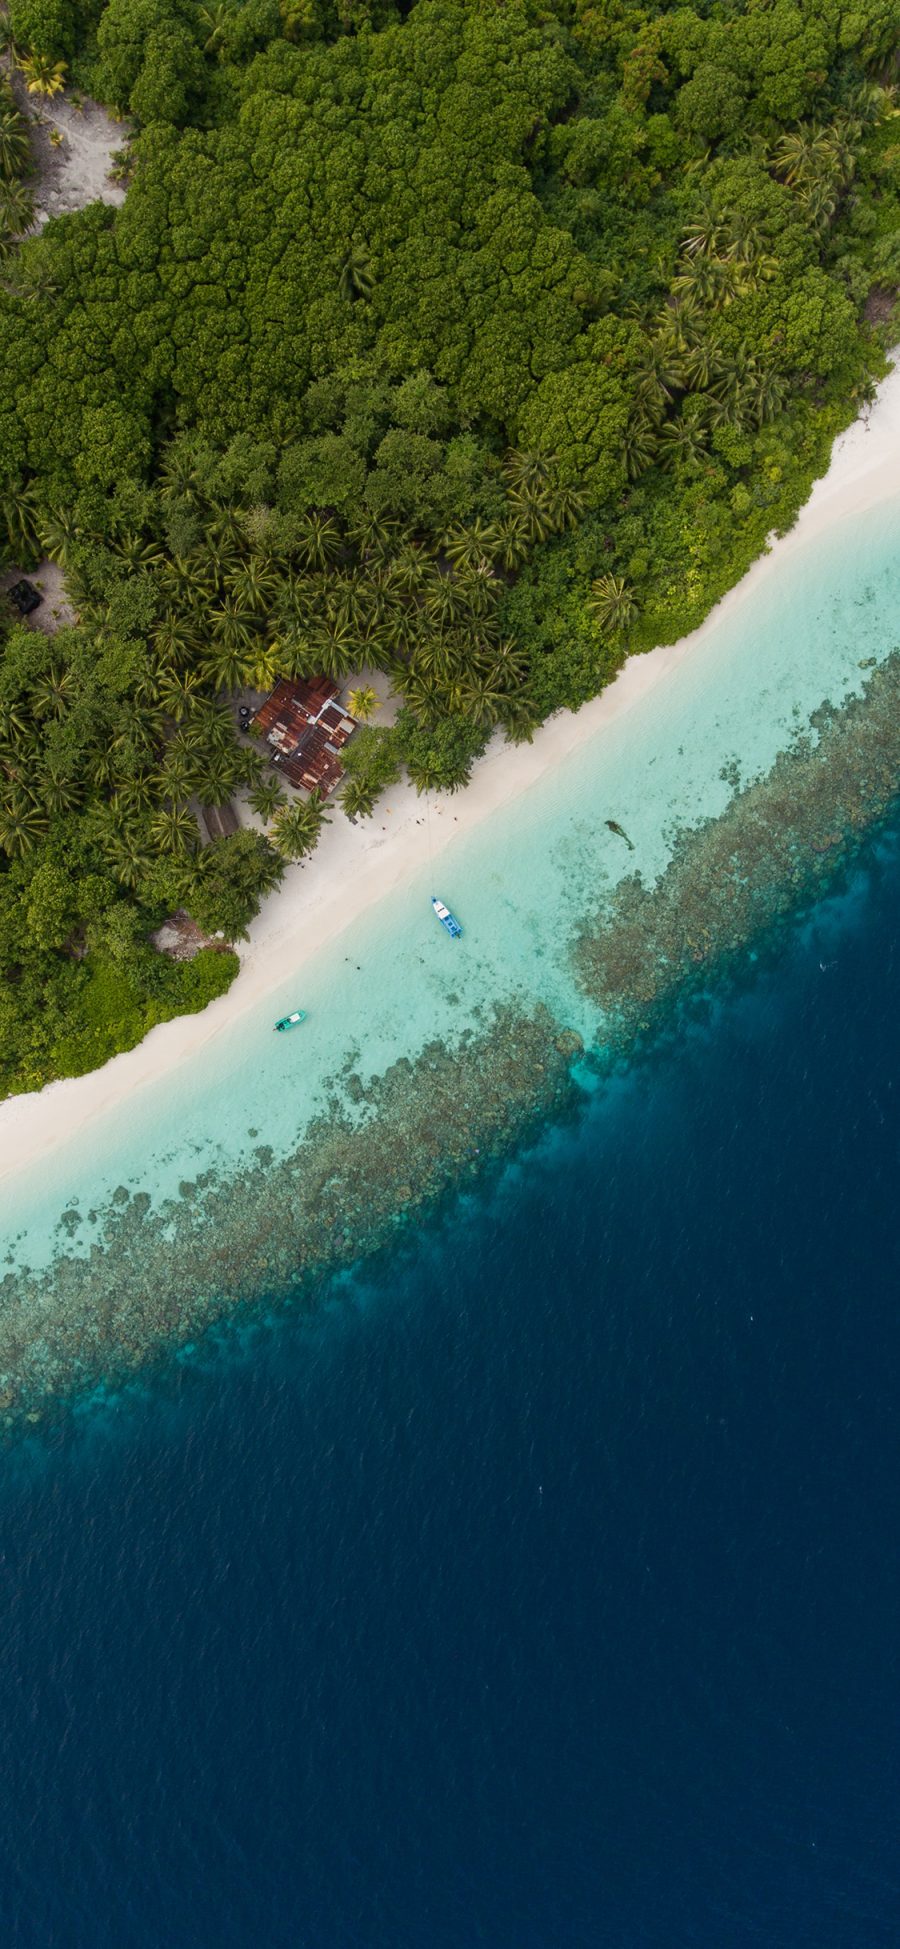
<point>355,866</point>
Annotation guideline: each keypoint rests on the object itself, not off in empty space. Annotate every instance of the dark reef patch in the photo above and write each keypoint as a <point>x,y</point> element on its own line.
<point>776,847</point>
<point>160,1275</point>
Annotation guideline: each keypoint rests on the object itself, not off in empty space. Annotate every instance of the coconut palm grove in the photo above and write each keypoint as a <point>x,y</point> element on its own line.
<point>479,343</point>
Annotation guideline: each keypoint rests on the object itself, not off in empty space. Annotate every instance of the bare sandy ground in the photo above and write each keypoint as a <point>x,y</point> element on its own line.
<point>56,609</point>
<point>74,146</point>
<point>355,866</point>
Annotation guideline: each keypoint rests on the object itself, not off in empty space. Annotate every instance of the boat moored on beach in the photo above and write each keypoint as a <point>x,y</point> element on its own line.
<point>445,917</point>
<point>291,1021</point>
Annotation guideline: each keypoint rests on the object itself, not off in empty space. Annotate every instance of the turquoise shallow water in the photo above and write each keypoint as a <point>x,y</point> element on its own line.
<point>803,634</point>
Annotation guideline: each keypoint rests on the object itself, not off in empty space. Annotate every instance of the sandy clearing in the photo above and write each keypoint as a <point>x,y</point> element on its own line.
<point>74,146</point>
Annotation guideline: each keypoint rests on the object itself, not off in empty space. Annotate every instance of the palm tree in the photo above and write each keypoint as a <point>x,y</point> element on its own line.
<point>178,777</point>
<point>372,534</point>
<point>178,693</point>
<point>638,446</point>
<point>59,793</point>
<point>565,505</point>
<point>52,692</point>
<point>215,779</point>
<point>174,829</point>
<point>20,520</point>
<point>225,666</point>
<point>768,397</point>
<point>362,702</point>
<point>102,766</point>
<point>712,281</point>
<point>520,721</point>
<point>296,828</point>
<point>744,239</point>
<point>234,627</point>
<point>682,440</point>
<point>819,205</point>
<point>59,533</point>
<point>735,385</point>
<point>423,695</point>
<point>225,531</point>
<point>526,470</point>
<point>442,604</point>
<point>41,75</point>
<point>135,795</point>
<point>179,474</point>
<point>505,665</point>
<point>357,279</point>
<point>408,569</point>
<point>15,151</point>
<point>253,584</point>
<point>512,542</point>
<point>433,657</point>
<point>801,155</point>
<point>266,666</point>
<point>701,364</point>
<point>480,700</point>
<point>531,507</point>
<point>358,798</point>
<point>16,207</point>
<point>267,798</point>
<point>703,237</point>
<point>16,720</point>
<point>135,552</point>
<point>469,547</point>
<point>336,648</point>
<point>129,855</point>
<point>612,603</point>
<point>214,24</point>
<point>176,639</point>
<point>478,593</point>
<point>187,580</point>
<point>317,539</point>
<point>22,824</point>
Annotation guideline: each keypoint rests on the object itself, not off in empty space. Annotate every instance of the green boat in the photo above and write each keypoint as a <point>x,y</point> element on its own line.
<point>291,1021</point>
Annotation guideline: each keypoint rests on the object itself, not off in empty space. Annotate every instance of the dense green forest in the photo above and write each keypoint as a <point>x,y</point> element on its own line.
<point>478,341</point>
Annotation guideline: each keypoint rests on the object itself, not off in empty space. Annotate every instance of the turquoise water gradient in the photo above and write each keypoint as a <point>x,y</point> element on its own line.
<point>801,635</point>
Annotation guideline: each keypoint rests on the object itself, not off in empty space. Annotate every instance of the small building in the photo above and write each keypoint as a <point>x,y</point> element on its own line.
<point>306,729</point>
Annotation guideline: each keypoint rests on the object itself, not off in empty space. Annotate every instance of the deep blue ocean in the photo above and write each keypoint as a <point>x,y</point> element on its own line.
<point>542,1590</point>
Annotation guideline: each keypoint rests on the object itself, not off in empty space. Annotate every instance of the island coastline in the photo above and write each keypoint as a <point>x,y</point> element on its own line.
<point>356,866</point>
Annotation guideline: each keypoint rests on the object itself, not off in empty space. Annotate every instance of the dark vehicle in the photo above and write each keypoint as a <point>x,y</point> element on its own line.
<point>25,597</point>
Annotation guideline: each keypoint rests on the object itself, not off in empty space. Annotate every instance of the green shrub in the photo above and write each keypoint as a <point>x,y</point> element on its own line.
<point>48,27</point>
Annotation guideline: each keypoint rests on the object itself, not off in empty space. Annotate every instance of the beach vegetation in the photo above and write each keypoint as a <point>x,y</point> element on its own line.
<point>296,827</point>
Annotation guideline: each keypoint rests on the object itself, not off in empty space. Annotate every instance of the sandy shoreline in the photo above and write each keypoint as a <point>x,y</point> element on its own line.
<point>355,866</point>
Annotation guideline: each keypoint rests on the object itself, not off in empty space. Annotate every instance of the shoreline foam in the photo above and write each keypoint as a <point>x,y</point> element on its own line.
<point>355,867</point>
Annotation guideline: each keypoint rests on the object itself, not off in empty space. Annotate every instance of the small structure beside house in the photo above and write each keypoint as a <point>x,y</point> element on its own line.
<point>306,729</point>
<point>218,821</point>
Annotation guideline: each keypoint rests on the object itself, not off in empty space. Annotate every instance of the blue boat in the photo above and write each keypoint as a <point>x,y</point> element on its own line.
<point>446,918</point>
<point>291,1021</point>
